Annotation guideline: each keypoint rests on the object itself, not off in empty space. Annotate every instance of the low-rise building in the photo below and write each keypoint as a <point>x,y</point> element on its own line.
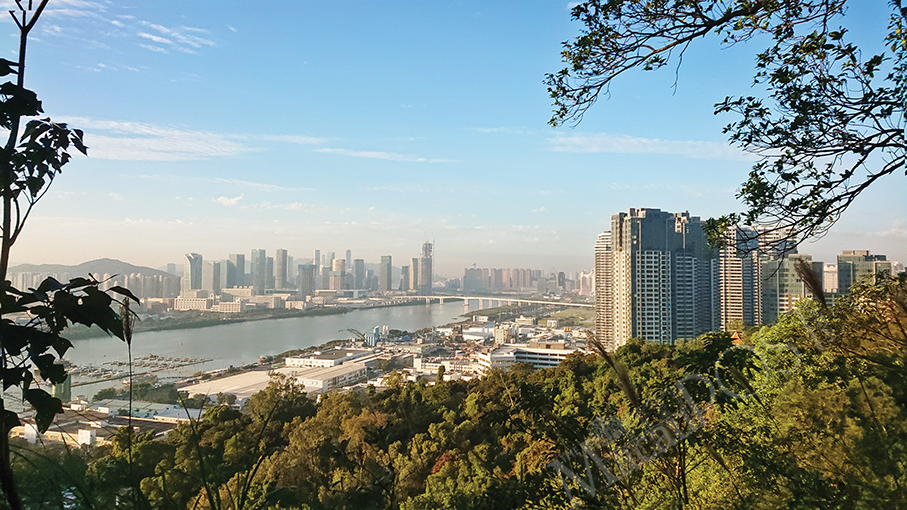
<point>182,304</point>
<point>84,427</point>
<point>239,292</point>
<point>295,305</point>
<point>326,358</point>
<point>450,364</point>
<point>328,378</point>
<point>539,354</point>
<point>229,307</point>
<point>268,301</point>
<point>117,407</point>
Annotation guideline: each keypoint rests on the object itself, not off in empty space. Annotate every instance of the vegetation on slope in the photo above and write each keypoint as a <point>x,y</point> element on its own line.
<point>809,413</point>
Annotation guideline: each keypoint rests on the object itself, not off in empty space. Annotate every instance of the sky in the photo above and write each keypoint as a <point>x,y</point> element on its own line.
<point>219,127</point>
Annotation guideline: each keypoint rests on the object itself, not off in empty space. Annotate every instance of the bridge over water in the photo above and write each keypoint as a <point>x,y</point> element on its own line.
<point>496,301</point>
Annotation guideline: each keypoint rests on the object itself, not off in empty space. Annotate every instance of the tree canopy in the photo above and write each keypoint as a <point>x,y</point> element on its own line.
<point>808,413</point>
<point>831,121</point>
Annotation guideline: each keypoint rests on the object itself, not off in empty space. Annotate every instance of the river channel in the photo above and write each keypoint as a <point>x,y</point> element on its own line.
<point>243,342</point>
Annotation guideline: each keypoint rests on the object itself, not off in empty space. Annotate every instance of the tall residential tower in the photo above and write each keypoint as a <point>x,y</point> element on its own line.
<point>425,274</point>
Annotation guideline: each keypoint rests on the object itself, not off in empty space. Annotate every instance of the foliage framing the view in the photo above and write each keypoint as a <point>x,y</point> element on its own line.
<point>823,425</point>
<point>32,320</point>
<point>832,122</point>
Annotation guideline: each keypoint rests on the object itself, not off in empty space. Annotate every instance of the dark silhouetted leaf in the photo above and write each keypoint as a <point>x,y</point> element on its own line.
<point>10,420</point>
<point>124,292</point>
<point>46,407</point>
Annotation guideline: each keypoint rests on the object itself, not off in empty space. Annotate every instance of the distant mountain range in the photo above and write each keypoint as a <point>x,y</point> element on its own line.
<point>99,266</point>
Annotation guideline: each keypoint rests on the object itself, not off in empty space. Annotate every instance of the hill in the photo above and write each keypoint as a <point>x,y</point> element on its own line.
<point>101,266</point>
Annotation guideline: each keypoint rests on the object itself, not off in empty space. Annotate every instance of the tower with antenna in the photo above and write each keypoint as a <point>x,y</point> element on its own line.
<point>425,274</point>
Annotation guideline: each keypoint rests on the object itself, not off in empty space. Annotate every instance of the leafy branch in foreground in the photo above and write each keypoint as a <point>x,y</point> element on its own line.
<point>33,320</point>
<point>831,123</point>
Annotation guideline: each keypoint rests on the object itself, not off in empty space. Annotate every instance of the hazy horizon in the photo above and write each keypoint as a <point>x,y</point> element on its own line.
<point>374,128</point>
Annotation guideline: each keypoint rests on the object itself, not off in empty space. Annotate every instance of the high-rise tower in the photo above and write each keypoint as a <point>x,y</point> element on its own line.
<point>385,274</point>
<point>192,272</point>
<point>739,284</point>
<point>782,287</point>
<point>425,274</point>
<point>280,269</point>
<point>305,279</point>
<point>211,277</point>
<point>237,262</point>
<point>664,274</point>
<point>414,274</point>
<point>359,274</point>
<point>259,275</point>
<point>856,264</point>
<point>604,291</point>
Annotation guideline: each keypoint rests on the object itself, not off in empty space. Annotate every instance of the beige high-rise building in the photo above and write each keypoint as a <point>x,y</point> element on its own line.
<point>830,283</point>
<point>604,274</point>
<point>739,280</point>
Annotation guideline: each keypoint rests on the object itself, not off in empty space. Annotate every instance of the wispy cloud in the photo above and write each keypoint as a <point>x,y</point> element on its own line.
<point>388,156</point>
<point>257,185</point>
<point>623,144</point>
<point>226,201</point>
<point>292,206</point>
<point>509,130</point>
<point>192,181</point>
<point>184,39</point>
<point>403,188</point>
<point>294,139</point>
<point>151,47</point>
<point>137,141</point>
<point>155,38</point>
<point>178,37</point>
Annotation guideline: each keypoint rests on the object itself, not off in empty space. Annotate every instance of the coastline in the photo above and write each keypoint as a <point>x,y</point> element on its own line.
<point>195,320</point>
<point>204,320</point>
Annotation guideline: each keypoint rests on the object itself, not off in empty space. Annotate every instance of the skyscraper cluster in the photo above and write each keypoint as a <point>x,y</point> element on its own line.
<point>417,276</point>
<point>278,274</point>
<point>478,279</point>
<point>656,277</point>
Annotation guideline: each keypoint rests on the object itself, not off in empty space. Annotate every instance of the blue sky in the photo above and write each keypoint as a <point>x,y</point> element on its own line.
<point>218,127</point>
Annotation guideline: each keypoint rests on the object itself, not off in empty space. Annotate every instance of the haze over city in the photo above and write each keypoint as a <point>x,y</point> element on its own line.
<point>374,128</point>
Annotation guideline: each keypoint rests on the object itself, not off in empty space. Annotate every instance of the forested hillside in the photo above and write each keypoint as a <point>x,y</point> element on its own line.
<point>808,413</point>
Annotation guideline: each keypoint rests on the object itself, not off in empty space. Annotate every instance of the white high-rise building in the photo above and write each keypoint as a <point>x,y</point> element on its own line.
<point>830,283</point>
<point>604,274</point>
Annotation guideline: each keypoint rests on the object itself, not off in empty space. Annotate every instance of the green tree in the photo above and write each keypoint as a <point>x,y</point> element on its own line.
<point>831,122</point>
<point>34,154</point>
<point>440,376</point>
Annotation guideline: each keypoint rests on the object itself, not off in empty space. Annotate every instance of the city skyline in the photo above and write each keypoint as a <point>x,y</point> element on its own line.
<point>375,128</point>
